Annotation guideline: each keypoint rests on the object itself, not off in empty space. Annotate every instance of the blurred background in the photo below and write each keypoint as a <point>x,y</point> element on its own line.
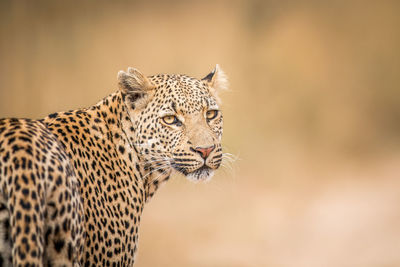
<point>312,119</point>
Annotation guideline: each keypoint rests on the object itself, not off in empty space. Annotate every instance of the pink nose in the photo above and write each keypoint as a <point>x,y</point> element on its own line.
<point>204,151</point>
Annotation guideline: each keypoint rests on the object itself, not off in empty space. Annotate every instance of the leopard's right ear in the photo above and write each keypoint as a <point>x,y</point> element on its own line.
<point>135,86</point>
<point>133,81</point>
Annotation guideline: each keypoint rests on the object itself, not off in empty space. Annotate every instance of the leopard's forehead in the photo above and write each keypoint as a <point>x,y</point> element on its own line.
<point>182,93</point>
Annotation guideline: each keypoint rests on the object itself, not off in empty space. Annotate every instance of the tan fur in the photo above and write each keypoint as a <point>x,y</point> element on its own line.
<point>73,185</point>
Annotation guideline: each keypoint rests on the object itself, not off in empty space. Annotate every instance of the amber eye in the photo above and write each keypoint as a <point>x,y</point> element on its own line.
<point>211,114</point>
<point>170,119</point>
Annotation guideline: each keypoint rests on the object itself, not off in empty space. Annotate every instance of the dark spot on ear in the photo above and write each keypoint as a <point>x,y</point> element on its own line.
<point>209,77</point>
<point>126,85</point>
<point>136,96</point>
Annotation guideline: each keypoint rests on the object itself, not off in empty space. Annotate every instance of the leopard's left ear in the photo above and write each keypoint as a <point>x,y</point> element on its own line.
<point>136,88</point>
<point>216,80</point>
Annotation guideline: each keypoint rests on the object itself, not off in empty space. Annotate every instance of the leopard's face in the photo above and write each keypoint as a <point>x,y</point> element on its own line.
<point>179,126</point>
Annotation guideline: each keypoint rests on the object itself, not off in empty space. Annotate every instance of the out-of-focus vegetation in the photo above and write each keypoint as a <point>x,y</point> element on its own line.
<point>313,116</point>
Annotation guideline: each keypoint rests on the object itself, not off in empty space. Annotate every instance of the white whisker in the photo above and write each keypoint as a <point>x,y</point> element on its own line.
<point>156,169</point>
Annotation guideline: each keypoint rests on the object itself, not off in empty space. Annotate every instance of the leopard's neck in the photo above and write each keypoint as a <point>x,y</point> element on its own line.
<point>113,129</point>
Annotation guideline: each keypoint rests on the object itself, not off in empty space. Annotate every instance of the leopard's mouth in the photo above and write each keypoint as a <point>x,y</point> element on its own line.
<point>204,173</point>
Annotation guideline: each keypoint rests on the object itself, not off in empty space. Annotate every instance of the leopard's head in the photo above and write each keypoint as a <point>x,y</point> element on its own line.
<point>177,120</point>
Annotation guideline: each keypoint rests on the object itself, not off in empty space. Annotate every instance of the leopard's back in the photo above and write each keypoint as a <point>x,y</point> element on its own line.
<point>40,206</point>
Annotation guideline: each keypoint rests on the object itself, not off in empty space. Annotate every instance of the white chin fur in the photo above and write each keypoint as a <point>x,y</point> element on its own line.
<point>201,176</point>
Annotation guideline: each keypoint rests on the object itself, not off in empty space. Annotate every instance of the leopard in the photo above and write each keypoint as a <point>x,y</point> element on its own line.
<point>73,185</point>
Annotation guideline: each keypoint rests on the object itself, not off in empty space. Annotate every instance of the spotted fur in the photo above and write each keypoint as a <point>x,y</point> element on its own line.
<point>73,185</point>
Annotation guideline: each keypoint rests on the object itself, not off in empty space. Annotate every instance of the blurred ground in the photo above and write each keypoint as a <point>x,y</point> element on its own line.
<point>313,117</point>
